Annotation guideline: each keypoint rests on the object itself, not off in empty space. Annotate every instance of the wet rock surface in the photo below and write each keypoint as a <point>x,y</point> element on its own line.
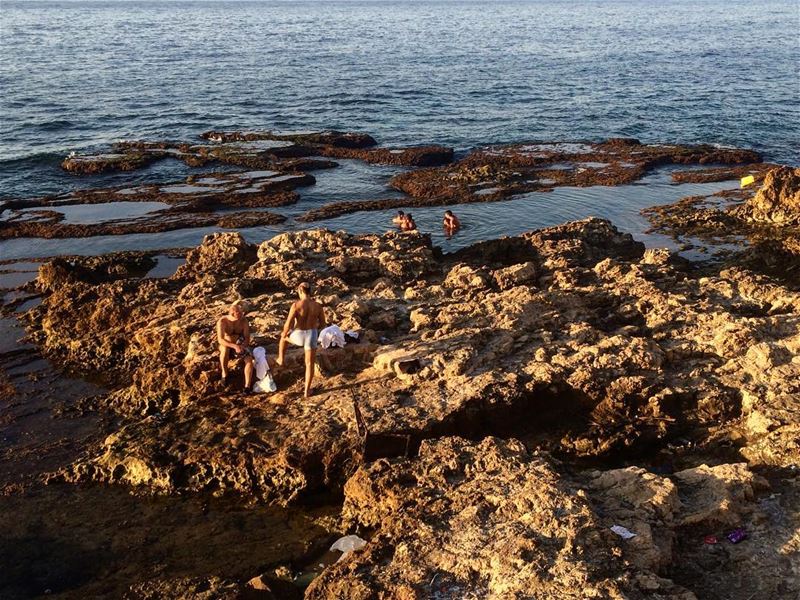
<point>91,164</point>
<point>201,201</point>
<point>497,172</point>
<point>761,225</point>
<point>258,150</point>
<point>254,154</point>
<point>726,173</point>
<point>336,139</point>
<point>416,156</point>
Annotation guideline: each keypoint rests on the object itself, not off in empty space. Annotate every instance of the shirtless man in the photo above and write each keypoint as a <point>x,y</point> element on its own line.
<point>233,333</point>
<point>451,222</point>
<point>399,218</point>
<point>305,319</point>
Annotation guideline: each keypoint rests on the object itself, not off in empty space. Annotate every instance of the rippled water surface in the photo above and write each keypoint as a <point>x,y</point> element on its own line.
<point>77,75</point>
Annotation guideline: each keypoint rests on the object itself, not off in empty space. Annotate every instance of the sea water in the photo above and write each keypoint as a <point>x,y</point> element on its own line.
<point>78,75</point>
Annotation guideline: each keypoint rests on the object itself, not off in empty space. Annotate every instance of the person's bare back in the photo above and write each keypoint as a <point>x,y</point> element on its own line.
<point>306,317</point>
<point>308,314</point>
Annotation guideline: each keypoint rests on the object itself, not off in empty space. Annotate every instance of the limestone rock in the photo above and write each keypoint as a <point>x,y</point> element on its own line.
<point>225,254</point>
<point>564,337</point>
<point>778,200</point>
<point>483,519</point>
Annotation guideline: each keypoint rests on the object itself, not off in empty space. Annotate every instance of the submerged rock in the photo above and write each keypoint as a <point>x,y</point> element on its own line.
<point>200,201</point>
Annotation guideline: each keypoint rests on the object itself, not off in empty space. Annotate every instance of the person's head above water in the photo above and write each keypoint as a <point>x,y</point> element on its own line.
<point>448,213</point>
<point>304,289</point>
<point>400,213</point>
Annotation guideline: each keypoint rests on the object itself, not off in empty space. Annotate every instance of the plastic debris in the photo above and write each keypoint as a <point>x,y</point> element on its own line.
<point>747,181</point>
<point>737,535</point>
<point>348,544</point>
<point>622,532</point>
<point>711,539</point>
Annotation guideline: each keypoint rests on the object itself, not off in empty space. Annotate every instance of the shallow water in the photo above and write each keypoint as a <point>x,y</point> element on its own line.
<point>483,221</point>
<point>357,181</point>
<point>104,211</point>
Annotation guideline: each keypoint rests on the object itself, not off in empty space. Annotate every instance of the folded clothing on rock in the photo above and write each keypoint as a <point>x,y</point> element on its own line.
<point>332,336</point>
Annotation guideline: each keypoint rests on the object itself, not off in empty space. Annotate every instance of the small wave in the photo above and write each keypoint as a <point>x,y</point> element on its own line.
<point>28,160</point>
<point>54,125</point>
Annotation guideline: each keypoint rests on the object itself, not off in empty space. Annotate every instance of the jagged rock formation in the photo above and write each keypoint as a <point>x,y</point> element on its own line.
<point>490,519</point>
<point>765,224</point>
<point>773,209</point>
<point>469,521</point>
<point>778,200</point>
<point>573,340</point>
<point>612,348</point>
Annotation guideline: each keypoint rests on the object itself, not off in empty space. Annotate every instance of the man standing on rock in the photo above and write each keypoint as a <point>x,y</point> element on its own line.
<point>233,333</point>
<point>306,318</point>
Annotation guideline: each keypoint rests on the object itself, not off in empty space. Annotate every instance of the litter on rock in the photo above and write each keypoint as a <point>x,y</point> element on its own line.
<point>348,544</point>
<point>622,532</point>
<point>711,539</point>
<point>737,535</point>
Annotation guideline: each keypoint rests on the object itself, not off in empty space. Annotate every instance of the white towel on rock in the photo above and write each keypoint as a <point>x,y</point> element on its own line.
<point>331,336</point>
<point>264,382</point>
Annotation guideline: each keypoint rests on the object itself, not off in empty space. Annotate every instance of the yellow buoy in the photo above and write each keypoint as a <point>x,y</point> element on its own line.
<point>748,180</point>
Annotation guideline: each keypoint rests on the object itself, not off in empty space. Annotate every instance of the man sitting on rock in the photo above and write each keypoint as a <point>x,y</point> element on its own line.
<point>233,333</point>
<point>306,318</point>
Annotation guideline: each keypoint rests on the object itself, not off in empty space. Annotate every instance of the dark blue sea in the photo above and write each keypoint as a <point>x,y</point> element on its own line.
<point>78,75</point>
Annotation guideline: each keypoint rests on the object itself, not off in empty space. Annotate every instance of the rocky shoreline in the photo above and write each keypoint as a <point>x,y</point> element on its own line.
<point>279,164</point>
<point>762,226</point>
<point>550,386</point>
